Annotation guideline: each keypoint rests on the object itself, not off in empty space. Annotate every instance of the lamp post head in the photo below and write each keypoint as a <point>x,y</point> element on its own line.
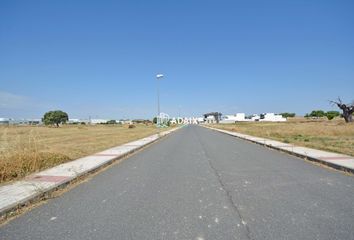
<point>159,76</point>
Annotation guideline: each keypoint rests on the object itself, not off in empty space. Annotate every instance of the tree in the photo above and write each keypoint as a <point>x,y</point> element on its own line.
<point>111,122</point>
<point>287,115</point>
<point>317,113</point>
<point>55,117</point>
<point>348,109</point>
<point>332,114</point>
<point>154,120</point>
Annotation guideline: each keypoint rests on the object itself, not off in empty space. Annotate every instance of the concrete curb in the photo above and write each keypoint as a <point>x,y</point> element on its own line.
<point>32,188</point>
<point>334,160</point>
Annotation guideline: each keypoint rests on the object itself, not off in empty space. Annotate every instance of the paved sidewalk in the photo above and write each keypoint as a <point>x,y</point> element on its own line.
<point>334,160</point>
<point>19,193</point>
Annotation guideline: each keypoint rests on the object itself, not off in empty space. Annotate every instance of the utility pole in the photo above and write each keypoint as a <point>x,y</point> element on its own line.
<point>158,77</point>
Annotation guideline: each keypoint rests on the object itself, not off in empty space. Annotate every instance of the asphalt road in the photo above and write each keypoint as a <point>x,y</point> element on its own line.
<point>199,184</point>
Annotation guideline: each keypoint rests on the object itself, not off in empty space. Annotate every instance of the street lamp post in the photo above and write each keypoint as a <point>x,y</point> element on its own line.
<point>158,77</point>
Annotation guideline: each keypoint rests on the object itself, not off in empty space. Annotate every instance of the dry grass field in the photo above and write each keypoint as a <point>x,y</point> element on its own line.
<point>334,136</point>
<point>27,149</point>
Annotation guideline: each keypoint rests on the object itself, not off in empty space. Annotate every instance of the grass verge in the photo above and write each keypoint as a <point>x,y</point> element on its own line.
<point>334,136</point>
<point>28,149</point>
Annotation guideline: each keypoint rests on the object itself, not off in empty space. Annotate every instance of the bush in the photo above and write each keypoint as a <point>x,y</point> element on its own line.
<point>131,126</point>
<point>330,117</point>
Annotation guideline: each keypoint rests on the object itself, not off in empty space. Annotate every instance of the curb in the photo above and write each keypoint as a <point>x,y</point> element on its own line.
<point>310,154</point>
<point>40,185</point>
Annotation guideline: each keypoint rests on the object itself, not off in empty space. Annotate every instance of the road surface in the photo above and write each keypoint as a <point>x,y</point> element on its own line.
<point>199,184</point>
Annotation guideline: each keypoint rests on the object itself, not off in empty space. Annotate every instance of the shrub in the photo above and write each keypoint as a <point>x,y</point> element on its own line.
<point>131,126</point>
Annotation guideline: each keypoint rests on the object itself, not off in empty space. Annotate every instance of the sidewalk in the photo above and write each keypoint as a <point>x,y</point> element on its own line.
<point>334,160</point>
<point>33,187</point>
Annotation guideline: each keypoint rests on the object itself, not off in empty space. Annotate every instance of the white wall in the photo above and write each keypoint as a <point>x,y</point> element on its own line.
<point>98,121</point>
<point>239,117</point>
<point>271,117</point>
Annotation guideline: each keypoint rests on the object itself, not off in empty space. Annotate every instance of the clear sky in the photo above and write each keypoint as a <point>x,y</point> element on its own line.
<point>100,58</point>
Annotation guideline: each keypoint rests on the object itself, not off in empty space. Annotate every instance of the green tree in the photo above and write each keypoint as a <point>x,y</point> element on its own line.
<point>317,113</point>
<point>288,115</point>
<point>154,120</point>
<point>332,114</point>
<point>55,117</point>
<point>111,122</point>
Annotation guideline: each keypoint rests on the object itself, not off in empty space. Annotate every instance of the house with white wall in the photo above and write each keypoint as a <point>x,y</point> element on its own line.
<point>210,119</point>
<point>4,121</point>
<point>255,118</point>
<point>200,120</point>
<point>238,117</point>
<point>73,121</point>
<point>98,121</point>
<point>264,117</point>
<point>271,117</point>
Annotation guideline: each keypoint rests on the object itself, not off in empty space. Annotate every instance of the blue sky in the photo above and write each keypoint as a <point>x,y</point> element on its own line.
<point>100,58</point>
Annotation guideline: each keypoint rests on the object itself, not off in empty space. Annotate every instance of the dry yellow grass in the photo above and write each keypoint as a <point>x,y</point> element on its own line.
<point>27,149</point>
<point>334,136</point>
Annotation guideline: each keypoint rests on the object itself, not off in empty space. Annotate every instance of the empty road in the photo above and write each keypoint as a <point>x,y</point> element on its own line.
<point>199,184</point>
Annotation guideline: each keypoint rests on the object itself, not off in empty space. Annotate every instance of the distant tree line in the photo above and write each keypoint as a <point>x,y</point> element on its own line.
<point>320,114</point>
<point>347,111</point>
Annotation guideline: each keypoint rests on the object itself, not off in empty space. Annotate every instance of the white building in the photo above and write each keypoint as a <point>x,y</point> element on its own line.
<point>125,121</point>
<point>264,117</point>
<point>210,119</point>
<point>34,121</point>
<point>255,117</point>
<point>200,120</point>
<point>4,121</point>
<point>74,121</point>
<point>271,117</point>
<point>98,121</point>
<point>11,121</point>
<point>238,117</point>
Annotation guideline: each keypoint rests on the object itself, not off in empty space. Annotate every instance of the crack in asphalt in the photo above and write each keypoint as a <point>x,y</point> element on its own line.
<point>227,192</point>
